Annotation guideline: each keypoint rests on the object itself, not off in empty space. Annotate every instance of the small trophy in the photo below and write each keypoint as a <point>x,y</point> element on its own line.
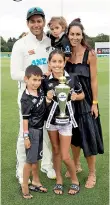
<point>62,91</point>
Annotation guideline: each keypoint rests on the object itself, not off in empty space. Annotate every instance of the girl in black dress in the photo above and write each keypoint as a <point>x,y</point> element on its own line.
<point>89,134</point>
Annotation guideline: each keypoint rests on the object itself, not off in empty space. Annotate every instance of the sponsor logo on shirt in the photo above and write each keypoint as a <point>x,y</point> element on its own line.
<point>40,101</point>
<point>48,48</point>
<point>40,61</point>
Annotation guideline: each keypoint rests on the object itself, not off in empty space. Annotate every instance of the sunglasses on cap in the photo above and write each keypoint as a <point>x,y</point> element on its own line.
<point>35,10</point>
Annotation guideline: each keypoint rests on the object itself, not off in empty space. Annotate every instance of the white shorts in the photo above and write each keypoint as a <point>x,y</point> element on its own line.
<point>65,130</point>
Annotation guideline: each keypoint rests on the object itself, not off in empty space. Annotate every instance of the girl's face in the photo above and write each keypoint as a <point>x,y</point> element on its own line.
<point>56,29</point>
<point>57,63</point>
<point>75,36</point>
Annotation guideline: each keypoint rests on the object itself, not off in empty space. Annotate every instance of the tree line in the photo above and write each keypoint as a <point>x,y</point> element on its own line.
<point>6,46</point>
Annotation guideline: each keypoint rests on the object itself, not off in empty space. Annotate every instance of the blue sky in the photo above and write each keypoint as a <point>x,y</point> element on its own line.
<point>94,14</point>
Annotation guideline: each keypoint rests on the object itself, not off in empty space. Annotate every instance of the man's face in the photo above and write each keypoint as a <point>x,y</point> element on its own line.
<point>36,25</point>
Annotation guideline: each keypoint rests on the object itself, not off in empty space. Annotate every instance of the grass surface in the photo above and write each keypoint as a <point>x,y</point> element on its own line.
<point>10,193</point>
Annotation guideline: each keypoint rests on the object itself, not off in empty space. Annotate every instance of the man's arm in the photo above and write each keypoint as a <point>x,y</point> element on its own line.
<point>17,62</point>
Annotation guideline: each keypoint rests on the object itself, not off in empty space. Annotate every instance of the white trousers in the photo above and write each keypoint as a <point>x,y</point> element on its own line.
<point>20,151</point>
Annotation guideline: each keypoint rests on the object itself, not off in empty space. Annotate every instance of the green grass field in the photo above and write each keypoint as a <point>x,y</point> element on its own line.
<point>10,193</point>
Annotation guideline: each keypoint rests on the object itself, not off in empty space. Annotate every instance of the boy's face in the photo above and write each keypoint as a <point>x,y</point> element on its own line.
<point>56,29</point>
<point>33,82</point>
<point>56,64</point>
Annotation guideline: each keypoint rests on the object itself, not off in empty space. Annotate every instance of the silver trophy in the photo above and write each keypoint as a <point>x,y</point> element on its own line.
<point>62,91</point>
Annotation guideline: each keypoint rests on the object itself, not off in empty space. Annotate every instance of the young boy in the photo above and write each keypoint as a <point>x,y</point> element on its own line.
<point>57,33</point>
<point>33,107</point>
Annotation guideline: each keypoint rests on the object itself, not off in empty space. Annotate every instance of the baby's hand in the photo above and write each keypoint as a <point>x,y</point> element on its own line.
<point>73,96</point>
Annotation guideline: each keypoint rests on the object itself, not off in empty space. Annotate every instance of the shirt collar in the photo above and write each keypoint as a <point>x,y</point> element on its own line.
<point>39,90</point>
<point>30,34</point>
<point>27,92</point>
<point>65,74</point>
<point>60,36</point>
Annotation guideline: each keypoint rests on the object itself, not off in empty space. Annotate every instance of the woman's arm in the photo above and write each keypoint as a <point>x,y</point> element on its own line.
<point>94,83</point>
<point>93,71</point>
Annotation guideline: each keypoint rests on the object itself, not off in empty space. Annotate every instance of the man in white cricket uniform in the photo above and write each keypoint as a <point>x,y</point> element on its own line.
<point>33,49</point>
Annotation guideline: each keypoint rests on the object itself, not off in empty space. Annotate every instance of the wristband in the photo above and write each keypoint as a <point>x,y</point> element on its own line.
<point>95,102</point>
<point>25,134</point>
<point>26,138</point>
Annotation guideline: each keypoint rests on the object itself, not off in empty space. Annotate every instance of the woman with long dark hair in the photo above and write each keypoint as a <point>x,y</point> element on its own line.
<point>88,135</point>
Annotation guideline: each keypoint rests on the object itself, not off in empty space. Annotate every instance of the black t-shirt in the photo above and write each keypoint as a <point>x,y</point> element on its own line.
<point>62,44</point>
<point>50,82</point>
<point>33,108</point>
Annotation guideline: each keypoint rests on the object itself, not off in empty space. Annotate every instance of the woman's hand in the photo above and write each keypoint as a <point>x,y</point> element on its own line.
<point>27,143</point>
<point>94,110</point>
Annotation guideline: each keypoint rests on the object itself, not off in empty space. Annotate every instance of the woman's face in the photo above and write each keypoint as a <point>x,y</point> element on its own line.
<point>57,63</point>
<point>75,36</point>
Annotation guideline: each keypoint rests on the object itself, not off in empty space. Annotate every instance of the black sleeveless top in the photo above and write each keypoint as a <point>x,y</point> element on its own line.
<point>83,72</point>
<point>91,139</point>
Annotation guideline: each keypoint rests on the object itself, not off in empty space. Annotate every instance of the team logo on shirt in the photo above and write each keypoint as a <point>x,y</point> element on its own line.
<point>31,52</point>
<point>34,100</point>
<point>50,85</point>
<point>67,49</point>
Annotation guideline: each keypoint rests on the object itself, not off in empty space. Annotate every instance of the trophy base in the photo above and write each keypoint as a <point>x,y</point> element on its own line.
<point>62,120</point>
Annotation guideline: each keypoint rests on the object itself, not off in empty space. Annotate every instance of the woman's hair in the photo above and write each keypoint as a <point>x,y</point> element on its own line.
<point>56,51</point>
<point>61,20</point>
<point>77,22</point>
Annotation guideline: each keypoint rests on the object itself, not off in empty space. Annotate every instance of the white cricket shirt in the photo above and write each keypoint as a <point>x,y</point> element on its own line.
<point>26,51</point>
